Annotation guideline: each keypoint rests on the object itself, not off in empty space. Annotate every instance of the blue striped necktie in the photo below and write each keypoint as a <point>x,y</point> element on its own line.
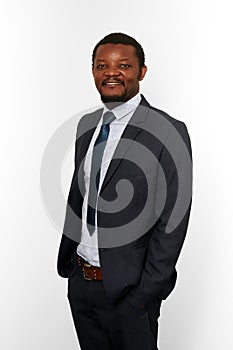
<point>97,156</point>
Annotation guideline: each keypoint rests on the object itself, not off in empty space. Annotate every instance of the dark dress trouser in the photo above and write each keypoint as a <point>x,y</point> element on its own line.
<point>100,325</point>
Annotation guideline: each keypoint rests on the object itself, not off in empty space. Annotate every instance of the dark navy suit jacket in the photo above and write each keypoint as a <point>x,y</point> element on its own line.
<point>143,267</point>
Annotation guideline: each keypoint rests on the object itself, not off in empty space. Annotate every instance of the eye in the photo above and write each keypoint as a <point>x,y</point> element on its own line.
<point>101,66</point>
<point>125,65</point>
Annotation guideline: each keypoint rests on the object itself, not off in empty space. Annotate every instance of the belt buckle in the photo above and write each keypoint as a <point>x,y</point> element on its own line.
<point>84,273</point>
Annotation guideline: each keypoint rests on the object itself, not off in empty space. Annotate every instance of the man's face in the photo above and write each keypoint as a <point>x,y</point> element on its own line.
<point>116,72</point>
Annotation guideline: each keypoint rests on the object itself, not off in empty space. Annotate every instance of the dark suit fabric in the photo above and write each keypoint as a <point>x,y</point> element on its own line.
<point>141,271</point>
<point>101,324</point>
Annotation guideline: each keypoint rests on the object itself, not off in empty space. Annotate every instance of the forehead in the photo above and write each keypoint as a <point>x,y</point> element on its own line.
<point>115,51</point>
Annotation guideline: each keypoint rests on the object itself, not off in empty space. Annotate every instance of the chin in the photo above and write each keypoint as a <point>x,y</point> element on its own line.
<point>116,98</point>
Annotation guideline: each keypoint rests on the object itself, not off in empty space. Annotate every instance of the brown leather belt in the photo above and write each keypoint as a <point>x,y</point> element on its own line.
<point>90,272</point>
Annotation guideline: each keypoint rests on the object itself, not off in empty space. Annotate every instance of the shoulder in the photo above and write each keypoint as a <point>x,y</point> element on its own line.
<point>167,121</point>
<point>90,116</point>
<point>89,121</point>
<point>160,112</point>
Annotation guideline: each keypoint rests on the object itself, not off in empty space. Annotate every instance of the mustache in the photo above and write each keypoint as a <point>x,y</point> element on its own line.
<point>104,82</point>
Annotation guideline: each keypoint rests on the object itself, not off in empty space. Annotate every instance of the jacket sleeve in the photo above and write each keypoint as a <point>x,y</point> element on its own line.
<point>159,274</point>
<point>67,250</point>
<point>66,257</point>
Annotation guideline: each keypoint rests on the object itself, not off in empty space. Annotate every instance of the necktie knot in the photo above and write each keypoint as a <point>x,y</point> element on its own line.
<point>108,117</point>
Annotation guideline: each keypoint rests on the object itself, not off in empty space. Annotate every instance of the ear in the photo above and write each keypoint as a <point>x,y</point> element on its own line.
<point>142,73</point>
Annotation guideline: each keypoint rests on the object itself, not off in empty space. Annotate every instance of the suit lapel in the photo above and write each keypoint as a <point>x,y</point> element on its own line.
<point>130,133</point>
<point>88,130</point>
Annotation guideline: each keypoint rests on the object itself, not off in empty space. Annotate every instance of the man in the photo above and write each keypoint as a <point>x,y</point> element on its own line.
<point>124,265</point>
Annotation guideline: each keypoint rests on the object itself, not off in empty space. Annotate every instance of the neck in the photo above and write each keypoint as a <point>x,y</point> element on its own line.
<point>112,105</point>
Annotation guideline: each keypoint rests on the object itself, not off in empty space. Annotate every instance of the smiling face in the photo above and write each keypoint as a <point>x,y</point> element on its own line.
<point>116,72</point>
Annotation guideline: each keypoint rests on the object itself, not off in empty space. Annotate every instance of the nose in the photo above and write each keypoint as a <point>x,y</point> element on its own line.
<point>112,71</point>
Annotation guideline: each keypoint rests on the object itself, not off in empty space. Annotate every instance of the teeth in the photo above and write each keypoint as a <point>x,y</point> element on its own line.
<point>113,83</point>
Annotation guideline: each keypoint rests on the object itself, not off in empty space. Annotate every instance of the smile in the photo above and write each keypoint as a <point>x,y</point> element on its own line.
<point>112,83</point>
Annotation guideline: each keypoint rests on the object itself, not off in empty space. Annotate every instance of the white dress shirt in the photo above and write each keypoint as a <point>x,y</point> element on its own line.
<point>88,247</point>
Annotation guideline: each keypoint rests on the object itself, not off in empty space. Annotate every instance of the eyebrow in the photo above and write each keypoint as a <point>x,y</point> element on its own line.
<point>102,59</point>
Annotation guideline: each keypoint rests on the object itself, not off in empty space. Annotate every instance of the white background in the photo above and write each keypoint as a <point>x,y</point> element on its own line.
<point>46,78</point>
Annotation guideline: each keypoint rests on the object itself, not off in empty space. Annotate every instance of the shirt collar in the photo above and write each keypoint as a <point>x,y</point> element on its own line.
<point>127,107</point>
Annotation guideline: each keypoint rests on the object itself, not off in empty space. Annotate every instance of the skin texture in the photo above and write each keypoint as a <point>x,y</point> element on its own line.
<point>117,73</point>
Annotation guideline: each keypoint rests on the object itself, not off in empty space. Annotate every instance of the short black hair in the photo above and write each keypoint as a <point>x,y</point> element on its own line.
<point>121,38</point>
